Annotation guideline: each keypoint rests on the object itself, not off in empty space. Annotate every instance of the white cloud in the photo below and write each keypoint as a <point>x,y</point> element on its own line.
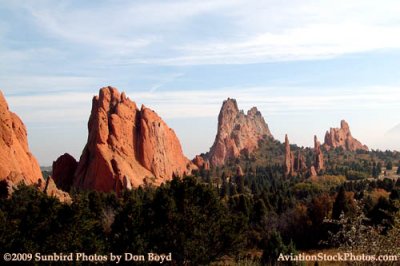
<point>75,106</point>
<point>237,32</point>
<point>305,43</point>
<point>117,29</point>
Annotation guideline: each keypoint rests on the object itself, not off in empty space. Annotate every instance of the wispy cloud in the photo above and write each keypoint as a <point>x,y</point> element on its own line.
<point>201,103</point>
<point>165,80</point>
<point>311,42</point>
<point>270,100</point>
<point>122,29</point>
<point>51,108</point>
<point>225,32</point>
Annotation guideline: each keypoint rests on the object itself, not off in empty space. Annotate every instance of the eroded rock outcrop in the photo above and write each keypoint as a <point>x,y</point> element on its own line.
<point>239,171</point>
<point>289,158</point>
<point>201,163</point>
<point>300,162</point>
<point>341,137</point>
<point>318,157</point>
<point>17,164</point>
<point>127,146</point>
<point>294,162</point>
<point>51,189</point>
<point>237,132</point>
<point>63,171</point>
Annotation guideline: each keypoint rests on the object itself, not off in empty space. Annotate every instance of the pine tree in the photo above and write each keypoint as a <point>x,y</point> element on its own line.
<point>341,204</point>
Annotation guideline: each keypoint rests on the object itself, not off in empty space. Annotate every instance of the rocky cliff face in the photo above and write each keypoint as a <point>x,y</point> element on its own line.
<point>17,164</point>
<point>127,146</point>
<point>237,132</point>
<point>341,137</point>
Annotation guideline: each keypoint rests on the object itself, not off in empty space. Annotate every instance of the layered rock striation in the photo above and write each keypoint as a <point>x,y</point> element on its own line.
<point>237,132</point>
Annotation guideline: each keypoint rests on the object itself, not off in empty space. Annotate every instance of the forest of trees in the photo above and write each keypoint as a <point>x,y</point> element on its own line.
<point>198,220</point>
<point>221,214</point>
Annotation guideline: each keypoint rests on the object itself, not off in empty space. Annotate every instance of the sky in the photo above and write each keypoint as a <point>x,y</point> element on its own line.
<point>305,64</point>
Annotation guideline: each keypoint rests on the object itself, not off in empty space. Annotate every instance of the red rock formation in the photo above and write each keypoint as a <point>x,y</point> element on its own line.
<point>341,137</point>
<point>51,189</point>
<point>313,172</point>
<point>201,163</point>
<point>17,164</point>
<point>63,171</point>
<point>319,156</point>
<point>239,171</point>
<point>293,164</point>
<point>289,158</point>
<point>300,163</point>
<point>127,146</point>
<point>159,147</point>
<point>237,132</point>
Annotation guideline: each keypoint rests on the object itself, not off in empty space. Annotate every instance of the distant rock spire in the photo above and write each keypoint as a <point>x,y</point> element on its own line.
<point>289,158</point>
<point>237,132</point>
<point>319,156</point>
<point>341,137</point>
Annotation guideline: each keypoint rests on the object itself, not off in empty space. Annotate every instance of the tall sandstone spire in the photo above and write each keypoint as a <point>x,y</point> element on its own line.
<point>294,162</point>
<point>341,137</point>
<point>318,158</point>
<point>127,146</point>
<point>289,158</point>
<point>237,132</point>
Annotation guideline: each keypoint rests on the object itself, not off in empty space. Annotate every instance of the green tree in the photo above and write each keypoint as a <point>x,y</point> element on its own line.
<point>274,246</point>
<point>379,168</point>
<point>389,165</point>
<point>189,220</point>
<point>341,204</point>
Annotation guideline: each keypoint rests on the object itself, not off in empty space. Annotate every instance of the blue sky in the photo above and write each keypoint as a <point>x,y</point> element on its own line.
<point>305,65</point>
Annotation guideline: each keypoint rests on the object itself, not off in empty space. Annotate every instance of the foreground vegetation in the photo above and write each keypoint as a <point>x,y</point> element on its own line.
<point>222,215</point>
<point>201,223</point>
